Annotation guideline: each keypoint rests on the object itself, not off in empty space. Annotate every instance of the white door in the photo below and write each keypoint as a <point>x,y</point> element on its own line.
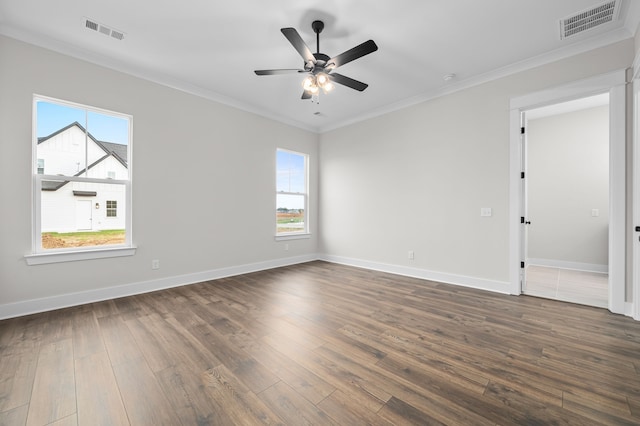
<point>83,215</point>
<point>524,220</point>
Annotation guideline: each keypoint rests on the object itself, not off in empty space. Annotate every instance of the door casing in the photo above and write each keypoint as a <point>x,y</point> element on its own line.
<point>615,84</point>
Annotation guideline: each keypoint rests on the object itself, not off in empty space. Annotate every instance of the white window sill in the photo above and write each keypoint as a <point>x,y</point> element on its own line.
<point>299,236</point>
<point>72,256</point>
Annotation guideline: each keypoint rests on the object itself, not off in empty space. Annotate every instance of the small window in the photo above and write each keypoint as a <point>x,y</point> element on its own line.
<point>291,193</point>
<point>112,208</point>
<point>40,166</point>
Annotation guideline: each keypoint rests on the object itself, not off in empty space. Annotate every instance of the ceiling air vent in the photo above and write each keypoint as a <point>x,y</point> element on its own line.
<point>589,19</point>
<point>91,25</point>
<point>103,29</point>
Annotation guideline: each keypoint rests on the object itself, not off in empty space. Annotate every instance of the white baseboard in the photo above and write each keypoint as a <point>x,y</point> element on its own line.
<point>578,266</point>
<point>628,310</point>
<point>34,306</point>
<point>461,280</point>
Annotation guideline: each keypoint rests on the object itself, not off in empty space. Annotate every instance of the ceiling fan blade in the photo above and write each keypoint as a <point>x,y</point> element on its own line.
<point>277,72</point>
<point>349,82</point>
<point>352,54</point>
<point>306,95</point>
<point>294,38</point>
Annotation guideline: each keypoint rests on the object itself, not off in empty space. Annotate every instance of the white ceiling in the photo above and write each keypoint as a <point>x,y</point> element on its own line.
<point>211,48</point>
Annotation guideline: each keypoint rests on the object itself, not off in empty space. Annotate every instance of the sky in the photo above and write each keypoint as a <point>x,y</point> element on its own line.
<point>290,177</point>
<point>52,117</point>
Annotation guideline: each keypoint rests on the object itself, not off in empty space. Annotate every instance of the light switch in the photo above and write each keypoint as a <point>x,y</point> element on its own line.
<point>595,212</point>
<point>485,211</point>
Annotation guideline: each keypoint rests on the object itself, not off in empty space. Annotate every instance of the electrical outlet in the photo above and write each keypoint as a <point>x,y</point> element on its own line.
<point>411,255</point>
<point>485,211</point>
<point>155,264</point>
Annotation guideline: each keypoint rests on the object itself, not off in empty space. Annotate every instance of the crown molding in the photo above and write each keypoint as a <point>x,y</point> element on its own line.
<point>142,73</point>
<point>616,36</point>
<point>55,45</point>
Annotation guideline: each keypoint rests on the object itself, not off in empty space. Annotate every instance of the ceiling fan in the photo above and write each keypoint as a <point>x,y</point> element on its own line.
<point>319,66</point>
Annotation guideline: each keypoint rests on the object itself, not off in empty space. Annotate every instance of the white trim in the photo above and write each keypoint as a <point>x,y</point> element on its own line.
<point>566,52</point>
<point>33,306</point>
<point>441,277</point>
<point>635,309</point>
<point>50,43</point>
<point>286,237</point>
<point>614,83</point>
<point>39,255</point>
<point>628,311</point>
<point>72,256</point>
<point>563,264</point>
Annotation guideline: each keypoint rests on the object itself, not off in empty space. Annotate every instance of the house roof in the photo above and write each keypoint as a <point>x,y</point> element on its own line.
<point>119,151</point>
<point>54,185</point>
<point>111,149</point>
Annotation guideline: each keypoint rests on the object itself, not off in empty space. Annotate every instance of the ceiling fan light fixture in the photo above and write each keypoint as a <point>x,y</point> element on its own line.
<point>309,83</point>
<point>328,87</point>
<point>322,79</point>
<point>313,83</point>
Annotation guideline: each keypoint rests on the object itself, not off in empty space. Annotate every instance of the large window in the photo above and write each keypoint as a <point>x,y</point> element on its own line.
<point>81,177</point>
<point>291,193</point>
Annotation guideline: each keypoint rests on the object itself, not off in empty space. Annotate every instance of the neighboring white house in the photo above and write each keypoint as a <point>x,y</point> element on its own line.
<point>81,206</point>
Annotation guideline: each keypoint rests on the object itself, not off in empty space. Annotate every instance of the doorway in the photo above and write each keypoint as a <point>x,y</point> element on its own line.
<point>613,83</point>
<point>566,201</point>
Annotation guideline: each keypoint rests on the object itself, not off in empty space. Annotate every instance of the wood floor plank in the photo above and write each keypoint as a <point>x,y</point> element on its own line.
<point>16,379</point>
<point>54,393</point>
<point>335,375</point>
<point>303,381</point>
<point>341,408</point>
<point>15,416</point>
<point>193,406</point>
<point>397,411</point>
<point>242,405</point>
<point>98,398</point>
<point>321,343</point>
<point>291,407</point>
<point>86,335</point>
<point>143,398</point>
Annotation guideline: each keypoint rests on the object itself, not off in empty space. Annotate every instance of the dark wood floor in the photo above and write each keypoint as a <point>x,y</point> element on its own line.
<point>323,344</point>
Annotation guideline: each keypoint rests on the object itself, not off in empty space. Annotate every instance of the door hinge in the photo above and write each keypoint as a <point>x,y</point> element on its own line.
<point>521,219</point>
<point>522,130</point>
<point>521,175</point>
<point>522,265</point>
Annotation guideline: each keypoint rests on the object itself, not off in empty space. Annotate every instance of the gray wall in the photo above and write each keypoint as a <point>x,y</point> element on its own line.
<point>568,176</point>
<point>416,179</point>
<point>203,178</point>
<point>203,185</point>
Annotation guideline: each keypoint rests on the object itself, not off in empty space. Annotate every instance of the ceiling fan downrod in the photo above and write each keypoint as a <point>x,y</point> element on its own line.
<point>317,27</point>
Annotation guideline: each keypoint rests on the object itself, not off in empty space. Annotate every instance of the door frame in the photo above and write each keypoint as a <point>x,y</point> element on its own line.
<point>615,84</point>
<point>636,188</point>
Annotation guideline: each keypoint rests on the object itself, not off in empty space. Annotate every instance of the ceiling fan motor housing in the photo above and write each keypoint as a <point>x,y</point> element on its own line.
<point>317,26</point>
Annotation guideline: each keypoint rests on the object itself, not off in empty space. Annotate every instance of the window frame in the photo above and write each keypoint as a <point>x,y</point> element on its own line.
<point>305,233</point>
<point>40,255</point>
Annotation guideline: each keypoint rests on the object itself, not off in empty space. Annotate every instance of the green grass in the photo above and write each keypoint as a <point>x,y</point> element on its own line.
<point>291,220</point>
<point>104,233</point>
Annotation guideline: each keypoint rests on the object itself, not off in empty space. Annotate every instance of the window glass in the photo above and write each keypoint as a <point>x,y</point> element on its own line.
<point>291,192</point>
<point>86,180</point>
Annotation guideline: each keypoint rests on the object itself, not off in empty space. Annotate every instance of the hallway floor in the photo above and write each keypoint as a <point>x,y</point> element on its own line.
<point>582,287</point>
